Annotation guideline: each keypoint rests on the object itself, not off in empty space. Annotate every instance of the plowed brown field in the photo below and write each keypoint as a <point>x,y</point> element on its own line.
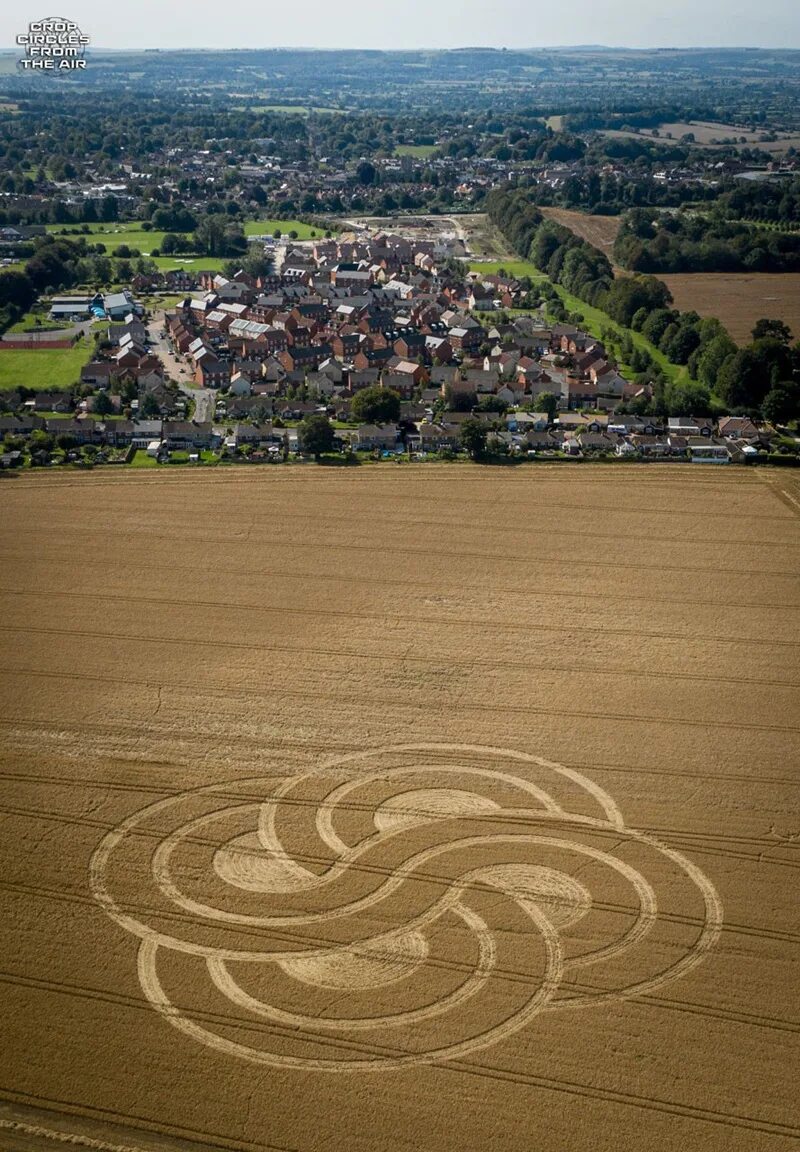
<point>441,808</point>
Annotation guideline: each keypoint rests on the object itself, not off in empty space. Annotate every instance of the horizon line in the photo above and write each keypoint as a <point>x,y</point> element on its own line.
<point>11,49</point>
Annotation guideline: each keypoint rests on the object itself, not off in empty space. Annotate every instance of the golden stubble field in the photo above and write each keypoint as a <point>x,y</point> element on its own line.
<point>441,808</point>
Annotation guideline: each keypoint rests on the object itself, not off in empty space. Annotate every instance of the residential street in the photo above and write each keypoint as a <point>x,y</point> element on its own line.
<point>204,398</point>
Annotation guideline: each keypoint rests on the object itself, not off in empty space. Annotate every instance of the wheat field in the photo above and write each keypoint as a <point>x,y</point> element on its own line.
<point>432,807</point>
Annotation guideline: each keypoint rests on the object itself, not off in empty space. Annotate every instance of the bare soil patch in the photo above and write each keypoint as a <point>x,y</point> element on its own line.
<point>436,800</point>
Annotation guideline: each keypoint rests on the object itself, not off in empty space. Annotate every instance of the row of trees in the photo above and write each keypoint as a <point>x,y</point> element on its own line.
<point>652,241</point>
<point>762,378</point>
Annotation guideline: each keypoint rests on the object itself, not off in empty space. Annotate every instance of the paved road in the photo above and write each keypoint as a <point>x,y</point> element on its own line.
<point>68,332</point>
<point>204,398</point>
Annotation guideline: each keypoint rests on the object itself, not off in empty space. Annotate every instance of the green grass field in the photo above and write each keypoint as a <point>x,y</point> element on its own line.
<point>420,151</point>
<point>111,235</point>
<point>132,234</point>
<point>40,370</point>
<point>594,321</point>
<point>207,263</point>
<point>267,227</point>
<point>27,323</point>
<point>516,268</point>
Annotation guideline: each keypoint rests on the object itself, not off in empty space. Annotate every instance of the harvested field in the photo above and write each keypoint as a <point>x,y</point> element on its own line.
<point>738,300</point>
<point>601,231</point>
<point>437,807</point>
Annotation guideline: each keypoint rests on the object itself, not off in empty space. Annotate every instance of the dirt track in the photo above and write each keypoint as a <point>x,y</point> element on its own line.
<point>434,807</point>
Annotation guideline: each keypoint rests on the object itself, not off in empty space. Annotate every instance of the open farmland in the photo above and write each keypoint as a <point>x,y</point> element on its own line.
<point>739,299</point>
<point>708,134</point>
<point>601,231</point>
<point>448,801</point>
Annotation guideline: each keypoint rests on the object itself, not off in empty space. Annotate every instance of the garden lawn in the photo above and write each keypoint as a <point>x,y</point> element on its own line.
<point>40,370</point>
<point>142,460</point>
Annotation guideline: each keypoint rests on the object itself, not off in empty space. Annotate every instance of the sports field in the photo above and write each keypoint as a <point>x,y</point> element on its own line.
<point>43,368</point>
<point>436,807</point>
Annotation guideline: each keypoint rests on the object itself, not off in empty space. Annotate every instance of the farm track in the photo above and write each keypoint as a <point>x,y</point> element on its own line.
<point>418,587</point>
<point>439,621</point>
<point>349,654</point>
<point>342,698</point>
<point>178,648</point>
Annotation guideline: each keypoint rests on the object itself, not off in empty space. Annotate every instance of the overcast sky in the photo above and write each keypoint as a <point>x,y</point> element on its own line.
<point>418,23</point>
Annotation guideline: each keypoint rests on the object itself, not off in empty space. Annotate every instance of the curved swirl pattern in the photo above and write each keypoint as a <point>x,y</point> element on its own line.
<point>396,907</point>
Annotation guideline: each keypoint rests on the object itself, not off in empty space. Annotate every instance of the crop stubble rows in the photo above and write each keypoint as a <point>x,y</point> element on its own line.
<point>183,644</point>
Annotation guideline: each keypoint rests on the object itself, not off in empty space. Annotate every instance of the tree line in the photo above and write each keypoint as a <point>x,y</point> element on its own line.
<point>696,241</point>
<point>760,379</point>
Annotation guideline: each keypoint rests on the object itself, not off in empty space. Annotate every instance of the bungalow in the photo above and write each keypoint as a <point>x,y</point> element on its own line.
<point>579,421</point>
<point>527,421</point>
<point>707,450</point>
<point>737,428</point>
<point>690,426</point>
<point>52,402</point>
<point>651,447</point>
<point>595,443</point>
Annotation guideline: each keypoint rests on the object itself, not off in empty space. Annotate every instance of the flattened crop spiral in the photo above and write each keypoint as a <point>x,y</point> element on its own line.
<point>396,907</point>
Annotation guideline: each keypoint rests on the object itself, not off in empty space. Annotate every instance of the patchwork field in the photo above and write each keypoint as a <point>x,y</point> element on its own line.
<point>434,807</point>
<point>711,135</point>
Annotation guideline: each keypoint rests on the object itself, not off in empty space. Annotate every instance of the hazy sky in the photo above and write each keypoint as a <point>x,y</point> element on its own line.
<point>418,23</point>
